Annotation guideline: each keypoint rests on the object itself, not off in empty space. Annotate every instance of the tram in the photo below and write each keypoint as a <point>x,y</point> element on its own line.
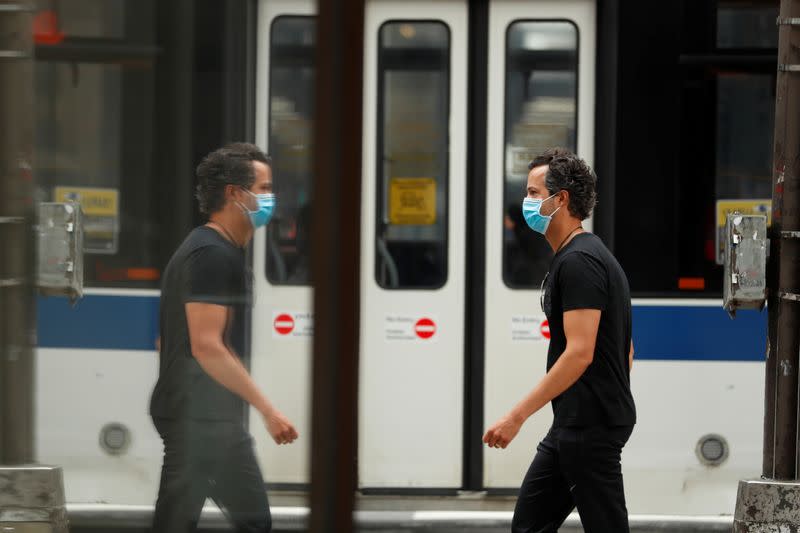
<point>458,97</point>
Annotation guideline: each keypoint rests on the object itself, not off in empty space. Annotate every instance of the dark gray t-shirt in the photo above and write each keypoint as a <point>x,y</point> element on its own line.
<point>585,275</point>
<point>209,269</point>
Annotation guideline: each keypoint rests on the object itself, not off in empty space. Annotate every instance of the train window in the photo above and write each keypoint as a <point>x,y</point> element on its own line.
<point>745,123</point>
<point>291,116</point>
<point>747,24</point>
<point>540,112</point>
<point>94,123</point>
<point>89,18</point>
<point>413,151</point>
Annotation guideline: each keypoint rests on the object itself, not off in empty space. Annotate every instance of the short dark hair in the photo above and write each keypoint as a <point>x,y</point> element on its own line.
<point>568,172</point>
<point>230,165</point>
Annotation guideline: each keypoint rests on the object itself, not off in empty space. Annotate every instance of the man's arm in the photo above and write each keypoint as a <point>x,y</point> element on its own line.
<point>630,357</point>
<point>206,327</point>
<point>580,328</point>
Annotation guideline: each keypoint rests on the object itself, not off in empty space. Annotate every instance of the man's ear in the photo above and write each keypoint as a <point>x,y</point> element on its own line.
<point>230,192</point>
<point>564,195</point>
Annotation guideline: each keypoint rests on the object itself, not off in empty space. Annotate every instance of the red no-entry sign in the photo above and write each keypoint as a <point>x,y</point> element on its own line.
<point>284,324</point>
<point>425,328</point>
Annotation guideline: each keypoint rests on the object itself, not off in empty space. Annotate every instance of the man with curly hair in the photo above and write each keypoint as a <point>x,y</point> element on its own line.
<point>586,299</point>
<point>203,390</point>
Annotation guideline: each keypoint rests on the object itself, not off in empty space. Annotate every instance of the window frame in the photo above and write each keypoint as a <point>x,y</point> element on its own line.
<point>380,190</point>
<point>270,137</point>
<point>537,284</point>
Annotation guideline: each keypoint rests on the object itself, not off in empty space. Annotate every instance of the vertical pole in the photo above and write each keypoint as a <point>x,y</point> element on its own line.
<point>336,262</point>
<point>17,253</point>
<point>785,312</point>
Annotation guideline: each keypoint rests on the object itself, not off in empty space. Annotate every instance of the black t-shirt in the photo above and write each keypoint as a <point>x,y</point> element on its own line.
<point>585,275</point>
<point>209,269</point>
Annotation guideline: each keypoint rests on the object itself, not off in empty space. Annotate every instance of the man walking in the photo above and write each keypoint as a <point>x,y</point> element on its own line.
<point>200,401</point>
<point>586,299</point>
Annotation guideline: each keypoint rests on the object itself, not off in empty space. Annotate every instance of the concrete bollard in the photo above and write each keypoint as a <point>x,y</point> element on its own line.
<point>767,506</point>
<point>32,500</point>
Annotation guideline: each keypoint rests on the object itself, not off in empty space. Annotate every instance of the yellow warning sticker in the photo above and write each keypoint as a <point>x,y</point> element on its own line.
<point>94,202</point>
<point>101,216</point>
<point>745,207</point>
<point>412,201</point>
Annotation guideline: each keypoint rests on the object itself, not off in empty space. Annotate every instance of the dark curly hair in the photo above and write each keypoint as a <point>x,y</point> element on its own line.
<point>229,165</point>
<point>567,172</point>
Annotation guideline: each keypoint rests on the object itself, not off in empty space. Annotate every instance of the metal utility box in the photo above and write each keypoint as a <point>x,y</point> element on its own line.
<point>745,279</point>
<point>60,236</point>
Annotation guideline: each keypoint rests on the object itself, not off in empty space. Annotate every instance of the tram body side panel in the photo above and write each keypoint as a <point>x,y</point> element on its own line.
<point>280,348</point>
<point>516,342</point>
<point>411,389</point>
<point>679,403</point>
<point>87,380</point>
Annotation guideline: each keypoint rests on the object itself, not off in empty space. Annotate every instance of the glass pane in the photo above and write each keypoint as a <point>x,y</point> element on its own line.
<point>90,123</point>
<point>291,120</point>
<point>747,24</point>
<point>540,113</point>
<point>86,18</point>
<point>413,116</point>
<point>745,128</point>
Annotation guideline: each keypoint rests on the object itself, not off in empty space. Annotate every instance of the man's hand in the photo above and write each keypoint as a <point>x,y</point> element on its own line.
<point>503,431</point>
<point>282,431</point>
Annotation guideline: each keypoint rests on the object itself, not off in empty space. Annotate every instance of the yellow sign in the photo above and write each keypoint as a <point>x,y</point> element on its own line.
<point>412,201</point>
<point>101,216</point>
<point>94,202</point>
<point>745,207</point>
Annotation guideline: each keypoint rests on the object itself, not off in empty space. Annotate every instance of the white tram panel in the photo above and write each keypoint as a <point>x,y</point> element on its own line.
<point>677,403</point>
<point>513,367</point>
<point>411,393</point>
<point>280,364</point>
<point>79,391</point>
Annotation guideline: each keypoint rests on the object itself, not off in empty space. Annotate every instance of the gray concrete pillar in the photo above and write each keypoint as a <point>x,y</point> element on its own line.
<point>767,506</point>
<point>32,500</point>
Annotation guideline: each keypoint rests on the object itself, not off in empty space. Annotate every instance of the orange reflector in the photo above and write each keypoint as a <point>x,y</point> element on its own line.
<point>691,284</point>
<point>45,28</point>
<point>143,274</point>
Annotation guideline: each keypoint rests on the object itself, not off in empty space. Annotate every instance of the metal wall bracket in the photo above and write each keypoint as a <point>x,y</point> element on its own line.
<point>12,220</point>
<point>788,68</point>
<point>787,21</point>
<point>790,234</point>
<point>790,296</point>
<point>11,282</point>
<point>17,8</point>
<point>14,54</point>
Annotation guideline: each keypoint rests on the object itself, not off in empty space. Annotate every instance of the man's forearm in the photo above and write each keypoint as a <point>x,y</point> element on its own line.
<point>569,367</point>
<point>226,369</point>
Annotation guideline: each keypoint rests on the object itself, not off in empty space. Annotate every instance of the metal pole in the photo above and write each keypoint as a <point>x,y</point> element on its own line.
<point>335,263</point>
<point>17,258</point>
<point>784,312</point>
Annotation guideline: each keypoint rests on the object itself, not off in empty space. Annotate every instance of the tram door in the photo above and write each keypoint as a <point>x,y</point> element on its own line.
<point>282,320</point>
<point>413,245</point>
<point>413,262</point>
<point>541,94</point>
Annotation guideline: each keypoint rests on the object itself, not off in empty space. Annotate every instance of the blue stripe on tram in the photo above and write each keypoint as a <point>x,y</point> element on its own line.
<point>698,334</point>
<point>659,332</point>
<point>98,322</point>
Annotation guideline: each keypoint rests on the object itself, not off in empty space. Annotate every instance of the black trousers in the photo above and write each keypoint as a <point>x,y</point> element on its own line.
<point>209,459</point>
<point>575,467</point>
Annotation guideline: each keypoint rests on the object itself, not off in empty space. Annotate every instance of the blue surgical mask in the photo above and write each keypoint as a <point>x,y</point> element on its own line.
<point>263,214</point>
<point>531,208</point>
